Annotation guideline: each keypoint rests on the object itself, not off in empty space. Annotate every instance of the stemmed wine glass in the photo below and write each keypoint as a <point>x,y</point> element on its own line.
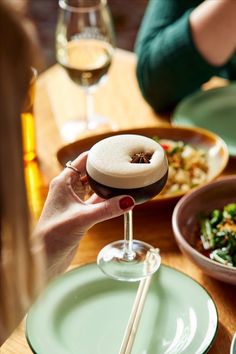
<point>134,165</point>
<point>84,48</point>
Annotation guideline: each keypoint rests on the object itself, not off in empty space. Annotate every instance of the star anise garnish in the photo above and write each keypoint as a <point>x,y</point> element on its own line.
<point>141,157</point>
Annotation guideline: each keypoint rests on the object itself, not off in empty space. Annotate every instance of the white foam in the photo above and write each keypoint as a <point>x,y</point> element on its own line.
<point>109,161</point>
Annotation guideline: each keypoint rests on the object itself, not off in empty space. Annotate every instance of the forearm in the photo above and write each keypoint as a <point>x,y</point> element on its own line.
<point>213,27</point>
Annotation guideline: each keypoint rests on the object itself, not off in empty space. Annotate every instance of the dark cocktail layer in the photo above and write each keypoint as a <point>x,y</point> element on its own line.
<point>140,195</point>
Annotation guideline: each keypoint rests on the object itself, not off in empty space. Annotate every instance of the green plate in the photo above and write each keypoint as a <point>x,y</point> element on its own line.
<point>84,312</point>
<point>233,345</point>
<point>214,110</point>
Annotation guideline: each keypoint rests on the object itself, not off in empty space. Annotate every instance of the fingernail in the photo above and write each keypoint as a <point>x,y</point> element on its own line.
<point>126,203</point>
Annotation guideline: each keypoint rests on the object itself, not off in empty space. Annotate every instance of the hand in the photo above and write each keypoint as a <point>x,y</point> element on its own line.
<point>66,217</point>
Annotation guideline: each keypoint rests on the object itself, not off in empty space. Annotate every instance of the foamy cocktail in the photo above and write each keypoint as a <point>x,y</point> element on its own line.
<point>127,164</point>
<point>134,165</point>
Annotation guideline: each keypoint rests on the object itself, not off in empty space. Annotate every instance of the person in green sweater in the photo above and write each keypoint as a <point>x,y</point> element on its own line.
<point>180,45</point>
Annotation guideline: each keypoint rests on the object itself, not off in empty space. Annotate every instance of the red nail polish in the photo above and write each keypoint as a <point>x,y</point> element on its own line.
<point>126,203</point>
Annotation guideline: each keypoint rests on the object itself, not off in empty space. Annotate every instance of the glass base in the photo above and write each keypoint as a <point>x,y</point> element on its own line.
<point>135,267</point>
<point>72,129</point>
<point>101,123</point>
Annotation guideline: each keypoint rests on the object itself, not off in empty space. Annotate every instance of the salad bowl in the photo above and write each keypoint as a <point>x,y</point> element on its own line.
<point>186,219</point>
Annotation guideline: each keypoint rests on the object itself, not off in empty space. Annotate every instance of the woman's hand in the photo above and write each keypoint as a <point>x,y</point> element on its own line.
<point>66,217</point>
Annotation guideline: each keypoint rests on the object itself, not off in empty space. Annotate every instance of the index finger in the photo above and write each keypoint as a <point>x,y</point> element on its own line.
<point>79,164</point>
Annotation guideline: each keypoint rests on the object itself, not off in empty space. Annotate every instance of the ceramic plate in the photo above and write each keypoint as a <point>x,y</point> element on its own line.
<point>216,149</point>
<point>84,312</point>
<point>214,110</point>
<point>233,345</point>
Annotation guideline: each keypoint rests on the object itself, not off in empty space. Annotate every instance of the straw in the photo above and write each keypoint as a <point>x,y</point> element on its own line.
<point>137,309</point>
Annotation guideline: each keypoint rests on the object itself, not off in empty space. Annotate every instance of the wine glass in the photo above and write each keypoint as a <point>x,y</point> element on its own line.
<point>84,48</point>
<point>134,165</point>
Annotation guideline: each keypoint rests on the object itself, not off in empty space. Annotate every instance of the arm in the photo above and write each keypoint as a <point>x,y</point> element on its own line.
<point>169,64</point>
<point>213,27</point>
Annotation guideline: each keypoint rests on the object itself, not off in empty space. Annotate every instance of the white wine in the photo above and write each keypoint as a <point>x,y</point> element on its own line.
<point>86,60</point>
<point>84,48</point>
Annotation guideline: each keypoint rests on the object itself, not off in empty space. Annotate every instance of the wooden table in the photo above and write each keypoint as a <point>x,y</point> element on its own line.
<point>120,100</point>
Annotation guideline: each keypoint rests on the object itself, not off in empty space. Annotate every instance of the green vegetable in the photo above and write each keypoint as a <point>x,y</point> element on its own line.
<point>206,234</point>
<point>230,211</point>
<point>222,255</point>
<point>216,217</point>
<point>175,149</point>
<point>218,234</point>
<point>156,138</point>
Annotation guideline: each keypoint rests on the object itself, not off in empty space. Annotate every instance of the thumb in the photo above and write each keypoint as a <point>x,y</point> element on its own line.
<point>109,208</point>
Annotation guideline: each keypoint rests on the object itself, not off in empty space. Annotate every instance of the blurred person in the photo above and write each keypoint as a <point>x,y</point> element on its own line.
<point>28,260</point>
<point>181,45</point>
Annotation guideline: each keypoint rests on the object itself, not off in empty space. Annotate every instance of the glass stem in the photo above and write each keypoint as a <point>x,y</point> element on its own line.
<point>129,254</point>
<point>89,108</point>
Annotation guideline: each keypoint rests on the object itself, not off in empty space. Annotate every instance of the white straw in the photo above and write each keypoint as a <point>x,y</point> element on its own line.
<point>134,319</point>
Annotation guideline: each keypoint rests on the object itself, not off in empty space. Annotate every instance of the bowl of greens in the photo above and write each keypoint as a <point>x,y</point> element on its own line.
<point>204,225</point>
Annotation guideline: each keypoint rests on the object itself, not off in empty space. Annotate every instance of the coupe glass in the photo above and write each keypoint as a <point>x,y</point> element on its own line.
<point>127,164</point>
<point>84,48</point>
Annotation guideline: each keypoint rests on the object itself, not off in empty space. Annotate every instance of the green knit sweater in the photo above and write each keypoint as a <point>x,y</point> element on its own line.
<point>169,65</point>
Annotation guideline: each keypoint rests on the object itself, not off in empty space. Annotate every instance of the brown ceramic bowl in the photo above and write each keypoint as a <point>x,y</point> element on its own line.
<point>217,153</point>
<point>185,220</point>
